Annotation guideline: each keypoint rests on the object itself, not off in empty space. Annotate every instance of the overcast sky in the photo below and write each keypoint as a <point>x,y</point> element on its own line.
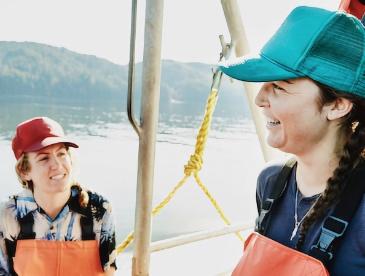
<point>102,27</point>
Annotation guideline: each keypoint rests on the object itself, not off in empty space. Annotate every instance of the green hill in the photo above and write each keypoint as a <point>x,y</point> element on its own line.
<point>37,72</point>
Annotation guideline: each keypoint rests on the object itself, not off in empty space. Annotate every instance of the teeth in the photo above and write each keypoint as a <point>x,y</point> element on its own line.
<point>57,177</point>
<point>273,123</point>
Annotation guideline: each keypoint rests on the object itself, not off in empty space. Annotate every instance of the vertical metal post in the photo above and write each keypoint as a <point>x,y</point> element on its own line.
<point>149,118</point>
<point>240,44</point>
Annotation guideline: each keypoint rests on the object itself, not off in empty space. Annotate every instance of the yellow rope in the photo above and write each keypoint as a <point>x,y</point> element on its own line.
<point>167,199</point>
<point>215,204</point>
<point>196,160</point>
<point>193,166</point>
<point>127,241</point>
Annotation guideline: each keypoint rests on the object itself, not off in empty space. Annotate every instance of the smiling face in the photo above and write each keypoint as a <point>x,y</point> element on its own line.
<point>295,121</point>
<point>50,170</point>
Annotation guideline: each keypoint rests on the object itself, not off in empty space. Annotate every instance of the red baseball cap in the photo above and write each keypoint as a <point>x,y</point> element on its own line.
<point>38,133</point>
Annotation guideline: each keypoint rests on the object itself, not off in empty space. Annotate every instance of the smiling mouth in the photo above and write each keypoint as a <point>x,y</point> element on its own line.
<point>58,176</point>
<point>272,123</point>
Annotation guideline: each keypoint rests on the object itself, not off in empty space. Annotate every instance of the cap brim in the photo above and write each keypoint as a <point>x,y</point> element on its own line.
<point>256,69</point>
<point>51,141</point>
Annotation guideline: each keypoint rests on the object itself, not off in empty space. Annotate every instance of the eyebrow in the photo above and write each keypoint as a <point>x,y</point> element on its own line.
<point>287,81</point>
<point>42,152</point>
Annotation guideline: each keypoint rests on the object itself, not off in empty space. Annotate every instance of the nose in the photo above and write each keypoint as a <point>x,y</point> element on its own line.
<point>261,99</point>
<point>55,162</point>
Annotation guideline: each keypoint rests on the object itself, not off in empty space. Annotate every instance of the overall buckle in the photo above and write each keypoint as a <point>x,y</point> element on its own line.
<point>332,228</point>
<point>266,207</point>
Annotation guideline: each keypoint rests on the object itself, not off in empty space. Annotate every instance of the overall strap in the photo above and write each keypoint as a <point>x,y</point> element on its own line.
<point>26,232</point>
<point>26,227</point>
<point>335,225</point>
<point>10,250</point>
<point>276,192</point>
<point>86,220</point>
<point>87,227</point>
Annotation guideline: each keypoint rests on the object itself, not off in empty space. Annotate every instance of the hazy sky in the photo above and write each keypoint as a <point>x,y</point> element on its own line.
<point>102,27</point>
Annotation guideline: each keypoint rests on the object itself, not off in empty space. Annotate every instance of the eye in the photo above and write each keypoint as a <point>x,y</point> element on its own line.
<point>61,153</point>
<point>277,87</point>
<point>45,158</point>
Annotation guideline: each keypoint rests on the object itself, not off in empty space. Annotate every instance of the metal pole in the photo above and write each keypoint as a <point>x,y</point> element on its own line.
<point>240,44</point>
<point>131,68</point>
<point>149,118</point>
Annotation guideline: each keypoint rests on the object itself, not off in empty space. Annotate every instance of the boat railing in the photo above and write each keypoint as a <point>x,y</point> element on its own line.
<point>199,236</point>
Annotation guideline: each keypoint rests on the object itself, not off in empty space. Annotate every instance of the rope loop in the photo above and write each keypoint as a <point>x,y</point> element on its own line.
<point>194,164</point>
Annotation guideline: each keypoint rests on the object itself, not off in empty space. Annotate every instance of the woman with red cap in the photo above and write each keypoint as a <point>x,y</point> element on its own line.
<point>312,208</point>
<point>53,227</point>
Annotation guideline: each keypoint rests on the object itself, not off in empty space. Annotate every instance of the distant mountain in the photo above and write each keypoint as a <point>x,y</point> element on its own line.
<point>38,72</point>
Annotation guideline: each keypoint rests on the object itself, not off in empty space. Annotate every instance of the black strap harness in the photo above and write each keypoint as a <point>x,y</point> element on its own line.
<point>276,192</point>
<point>334,225</point>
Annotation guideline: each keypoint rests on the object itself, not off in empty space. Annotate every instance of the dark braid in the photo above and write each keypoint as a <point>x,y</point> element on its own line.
<point>353,125</point>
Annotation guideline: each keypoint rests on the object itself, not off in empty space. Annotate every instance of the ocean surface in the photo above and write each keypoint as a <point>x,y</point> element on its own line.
<point>107,163</point>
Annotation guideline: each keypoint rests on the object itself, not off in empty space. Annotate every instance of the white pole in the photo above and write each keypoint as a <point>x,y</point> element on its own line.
<point>149,118</point>
<point>199,236</point>
<point>240,44</point>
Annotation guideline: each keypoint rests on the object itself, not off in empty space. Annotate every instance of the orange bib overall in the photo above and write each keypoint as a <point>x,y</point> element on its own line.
<point>57,258</point>
<point>263,256</point>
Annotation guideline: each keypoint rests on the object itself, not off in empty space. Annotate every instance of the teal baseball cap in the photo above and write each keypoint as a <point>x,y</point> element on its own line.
<point>326,46</point>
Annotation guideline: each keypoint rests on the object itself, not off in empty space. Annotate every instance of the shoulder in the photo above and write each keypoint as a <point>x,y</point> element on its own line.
<point>271,171</point>
<point>96,199</point>
<point>10,206</point>
<point>7,205</point>
<point>358,222</point>
<point>99,205</point>
<point>9,211</point>
<point>352,247</point>
<point>268,176</point>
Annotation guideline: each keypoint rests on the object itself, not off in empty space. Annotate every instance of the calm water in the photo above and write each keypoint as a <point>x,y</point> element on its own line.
<point>107,162</point>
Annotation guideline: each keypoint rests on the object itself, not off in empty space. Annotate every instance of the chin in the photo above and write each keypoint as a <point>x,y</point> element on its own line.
<point>280,145</point>
<point>62,187</point>
<point>272,142</point>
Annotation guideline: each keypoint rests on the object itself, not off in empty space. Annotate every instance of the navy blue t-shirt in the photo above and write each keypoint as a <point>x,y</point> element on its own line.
<point>350,256</point>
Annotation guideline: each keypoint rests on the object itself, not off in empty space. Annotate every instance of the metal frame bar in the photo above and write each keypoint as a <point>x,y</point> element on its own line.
<point>199,236</point>
<point>240,44</point>
<point>147,135</point>
<point>131,67</point>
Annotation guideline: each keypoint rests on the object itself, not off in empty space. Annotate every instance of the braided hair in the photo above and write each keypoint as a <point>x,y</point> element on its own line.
<point>83,195</point>
<point>353,126</point>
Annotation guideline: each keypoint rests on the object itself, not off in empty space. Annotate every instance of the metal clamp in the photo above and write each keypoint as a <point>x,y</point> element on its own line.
<point>331,229</point>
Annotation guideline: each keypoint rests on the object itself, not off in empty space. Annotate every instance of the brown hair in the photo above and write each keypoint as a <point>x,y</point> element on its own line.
<point>23,166</point>
<point>353,128</point>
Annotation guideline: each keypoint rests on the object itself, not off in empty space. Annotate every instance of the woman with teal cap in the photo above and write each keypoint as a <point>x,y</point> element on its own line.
<point>313,98</point>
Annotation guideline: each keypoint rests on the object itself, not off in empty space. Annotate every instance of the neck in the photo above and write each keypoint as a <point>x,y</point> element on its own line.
<point>312,175</point>
<point>316,166</point>
<point>52,204</point>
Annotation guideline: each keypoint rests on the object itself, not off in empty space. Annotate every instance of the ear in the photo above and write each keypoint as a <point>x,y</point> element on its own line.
<point>25,176</point>
<point>339,108</point>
